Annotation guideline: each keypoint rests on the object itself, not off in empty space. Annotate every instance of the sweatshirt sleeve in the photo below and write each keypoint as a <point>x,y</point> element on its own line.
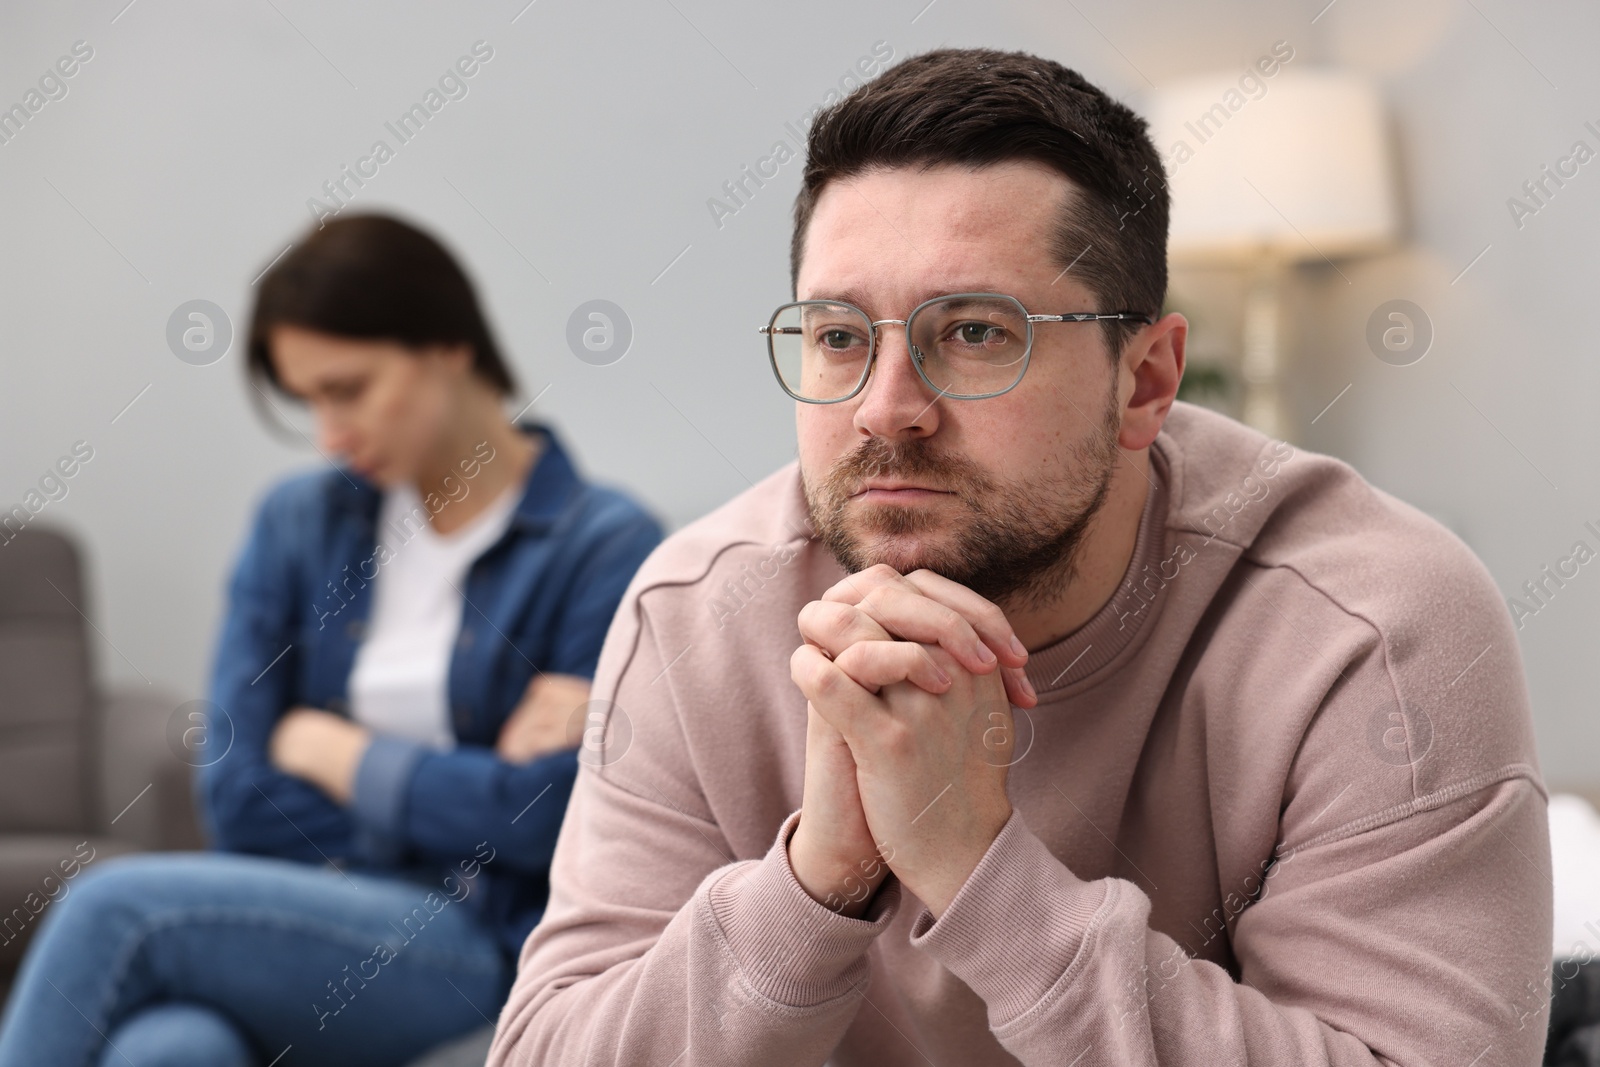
<point>1396,945</point>
<point>659,945</point>
<point>1403,916</point>
<point>1383,887</point>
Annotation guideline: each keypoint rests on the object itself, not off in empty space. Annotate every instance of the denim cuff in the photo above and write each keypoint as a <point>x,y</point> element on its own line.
<point>382,782</point>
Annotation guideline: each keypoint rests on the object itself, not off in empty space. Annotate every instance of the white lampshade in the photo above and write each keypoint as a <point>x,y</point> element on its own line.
<point>1295,165</point>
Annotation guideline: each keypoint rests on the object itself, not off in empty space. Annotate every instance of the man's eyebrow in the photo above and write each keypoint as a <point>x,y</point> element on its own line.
<point>843,296</point>
<point>860,300</point>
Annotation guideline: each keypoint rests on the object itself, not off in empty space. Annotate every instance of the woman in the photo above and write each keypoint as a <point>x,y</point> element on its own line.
<point>399,684</point>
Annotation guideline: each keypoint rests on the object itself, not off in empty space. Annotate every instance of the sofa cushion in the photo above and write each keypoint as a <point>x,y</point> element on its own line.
<point>46,690</point>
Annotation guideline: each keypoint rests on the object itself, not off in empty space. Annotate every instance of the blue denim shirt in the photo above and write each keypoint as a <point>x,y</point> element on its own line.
<point>541,597</point>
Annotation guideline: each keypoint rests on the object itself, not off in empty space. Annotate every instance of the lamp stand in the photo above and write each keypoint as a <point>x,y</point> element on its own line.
<point>1261,366</point>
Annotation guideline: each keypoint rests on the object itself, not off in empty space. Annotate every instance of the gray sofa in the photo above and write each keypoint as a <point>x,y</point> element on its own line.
<point>85,773</point>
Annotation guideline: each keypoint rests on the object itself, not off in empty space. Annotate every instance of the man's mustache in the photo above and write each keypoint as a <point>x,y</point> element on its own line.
<point>910,460</point>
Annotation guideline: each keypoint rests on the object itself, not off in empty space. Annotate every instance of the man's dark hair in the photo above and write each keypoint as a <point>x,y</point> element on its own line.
<point>373,277</point>
<point>974,107</point>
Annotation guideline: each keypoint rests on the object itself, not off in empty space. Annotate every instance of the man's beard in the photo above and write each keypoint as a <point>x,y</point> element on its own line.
<point>1019,543</point>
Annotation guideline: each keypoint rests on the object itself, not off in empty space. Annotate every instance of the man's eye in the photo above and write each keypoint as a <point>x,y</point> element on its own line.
<point>837,340</point>
<point>980,333</point>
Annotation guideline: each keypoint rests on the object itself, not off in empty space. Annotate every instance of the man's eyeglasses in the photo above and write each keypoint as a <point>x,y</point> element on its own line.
<point>966,346</point>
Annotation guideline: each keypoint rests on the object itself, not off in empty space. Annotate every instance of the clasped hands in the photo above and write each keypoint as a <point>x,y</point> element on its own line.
<point>909,682</point>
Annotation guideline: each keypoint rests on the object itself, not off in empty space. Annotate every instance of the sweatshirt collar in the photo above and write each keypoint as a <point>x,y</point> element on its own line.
<point>1121,618</point>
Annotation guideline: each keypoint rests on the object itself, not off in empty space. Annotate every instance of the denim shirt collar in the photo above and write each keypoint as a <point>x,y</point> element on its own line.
<point>547,492</point>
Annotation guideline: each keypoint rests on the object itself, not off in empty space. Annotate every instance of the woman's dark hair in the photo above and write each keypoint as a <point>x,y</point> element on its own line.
<point>373,276</point>
<point>975,107</point>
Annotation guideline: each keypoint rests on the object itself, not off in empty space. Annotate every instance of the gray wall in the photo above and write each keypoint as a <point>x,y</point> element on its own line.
<point>579,165</point>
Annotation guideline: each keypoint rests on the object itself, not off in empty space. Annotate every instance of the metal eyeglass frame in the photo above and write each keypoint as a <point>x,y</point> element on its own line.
<point>771,329</point>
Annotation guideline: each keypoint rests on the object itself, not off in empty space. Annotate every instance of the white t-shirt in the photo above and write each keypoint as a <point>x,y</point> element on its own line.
<point>400,683</point>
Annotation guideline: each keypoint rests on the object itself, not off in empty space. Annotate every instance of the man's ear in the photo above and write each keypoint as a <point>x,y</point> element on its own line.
<point>1151,368</point>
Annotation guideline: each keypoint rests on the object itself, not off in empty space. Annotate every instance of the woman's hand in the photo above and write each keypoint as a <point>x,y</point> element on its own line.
<point>544,721</point>
<point>321,747</point>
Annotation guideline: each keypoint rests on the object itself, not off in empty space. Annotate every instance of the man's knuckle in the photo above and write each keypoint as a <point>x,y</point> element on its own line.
<point>846,658</point>
<point>898,740</point>
<point>953,625</point>
<point>827,681</point>
<point>863,627</point>
<point>811,616</point>
<point>857,659</point>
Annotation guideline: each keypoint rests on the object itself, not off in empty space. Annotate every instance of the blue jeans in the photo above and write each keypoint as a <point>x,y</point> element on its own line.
<point>219,960</point>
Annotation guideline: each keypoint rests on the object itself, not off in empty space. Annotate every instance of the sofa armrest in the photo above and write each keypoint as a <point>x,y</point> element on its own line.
<point>144,791</point>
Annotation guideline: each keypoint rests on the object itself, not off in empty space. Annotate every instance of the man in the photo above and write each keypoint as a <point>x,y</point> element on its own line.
<point>1032,716</point>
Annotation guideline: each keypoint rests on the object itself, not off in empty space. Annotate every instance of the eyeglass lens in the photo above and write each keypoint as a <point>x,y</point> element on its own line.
<point>965,345</point>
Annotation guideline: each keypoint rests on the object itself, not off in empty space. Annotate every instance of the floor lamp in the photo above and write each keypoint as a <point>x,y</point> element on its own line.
<point>1266,171</point>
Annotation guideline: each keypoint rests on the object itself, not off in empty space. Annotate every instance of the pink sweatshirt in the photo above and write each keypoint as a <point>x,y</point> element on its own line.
<point>1278,804</point>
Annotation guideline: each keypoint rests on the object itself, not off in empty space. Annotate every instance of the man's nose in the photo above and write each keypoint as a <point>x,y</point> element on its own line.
<point>896,402</point>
